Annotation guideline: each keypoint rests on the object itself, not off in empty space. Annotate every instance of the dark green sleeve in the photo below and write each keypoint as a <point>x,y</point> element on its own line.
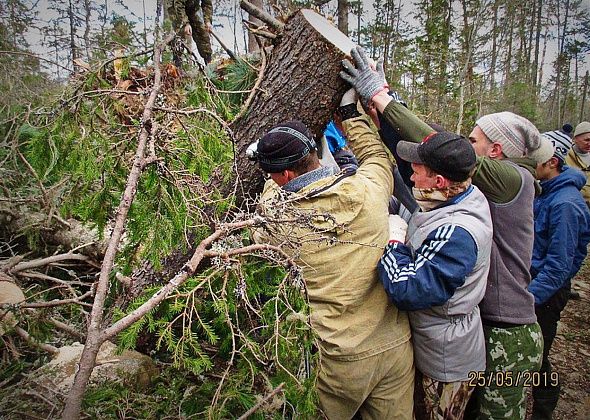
<point>499,181</point>
<point>409,126</point>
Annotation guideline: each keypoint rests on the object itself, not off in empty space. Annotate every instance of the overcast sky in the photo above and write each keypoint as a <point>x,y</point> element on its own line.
<point>229,29</point>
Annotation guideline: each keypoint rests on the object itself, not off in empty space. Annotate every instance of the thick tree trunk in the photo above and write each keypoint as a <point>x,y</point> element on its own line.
<point>300,82</point>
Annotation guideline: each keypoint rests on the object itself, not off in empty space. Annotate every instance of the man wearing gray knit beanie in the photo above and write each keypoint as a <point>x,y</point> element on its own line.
<point>579,155</point>
<point>516,136</point>
<point>508,148</point>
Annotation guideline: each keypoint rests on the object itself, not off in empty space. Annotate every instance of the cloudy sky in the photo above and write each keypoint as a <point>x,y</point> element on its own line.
<point>227,22</point>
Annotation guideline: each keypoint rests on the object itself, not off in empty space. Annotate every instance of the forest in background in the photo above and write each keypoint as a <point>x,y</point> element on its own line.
<point>451,59</point>
<point>92,114</point>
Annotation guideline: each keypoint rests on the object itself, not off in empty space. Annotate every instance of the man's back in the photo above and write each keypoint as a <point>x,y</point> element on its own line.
<point>339,252</point>
<point>335,226</point>
<point>506,299</point>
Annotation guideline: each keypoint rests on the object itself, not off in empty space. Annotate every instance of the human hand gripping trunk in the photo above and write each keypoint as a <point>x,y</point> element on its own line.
<point>367,80</point>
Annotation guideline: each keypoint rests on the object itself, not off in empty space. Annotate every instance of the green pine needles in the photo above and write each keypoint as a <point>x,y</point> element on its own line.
<point>243,323</point>
<point>234,331</point>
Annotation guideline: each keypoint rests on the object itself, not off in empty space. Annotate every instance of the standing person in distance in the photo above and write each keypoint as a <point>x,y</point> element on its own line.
<point>579,155</point>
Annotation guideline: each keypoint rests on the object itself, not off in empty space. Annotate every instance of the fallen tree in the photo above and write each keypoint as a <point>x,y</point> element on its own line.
<point>69,234</point>
<point>300,82</point>
<point>313,98</point>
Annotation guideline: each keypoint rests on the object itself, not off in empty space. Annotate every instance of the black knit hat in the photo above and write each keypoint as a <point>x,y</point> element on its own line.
<point>283,146</point>
<point>448,154</point>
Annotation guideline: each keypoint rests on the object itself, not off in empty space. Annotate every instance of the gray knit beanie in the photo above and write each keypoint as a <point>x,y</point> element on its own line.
<point>582,128</point>
<point>517,135</point>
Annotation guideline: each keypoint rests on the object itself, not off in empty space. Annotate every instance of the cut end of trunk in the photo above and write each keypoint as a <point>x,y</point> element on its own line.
<point>328,31</point>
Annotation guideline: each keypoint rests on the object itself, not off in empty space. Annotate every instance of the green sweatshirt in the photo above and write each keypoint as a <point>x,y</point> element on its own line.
<point>499,181</point>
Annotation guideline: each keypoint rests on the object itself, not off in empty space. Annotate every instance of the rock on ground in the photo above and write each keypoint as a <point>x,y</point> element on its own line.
<point>9,293</point>
<point>131,367</point>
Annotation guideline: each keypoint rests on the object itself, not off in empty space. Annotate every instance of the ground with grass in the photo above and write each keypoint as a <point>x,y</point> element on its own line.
<point>570,354</point>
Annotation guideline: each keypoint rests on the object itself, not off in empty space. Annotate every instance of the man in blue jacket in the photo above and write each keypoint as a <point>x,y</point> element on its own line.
<point>562,233</point>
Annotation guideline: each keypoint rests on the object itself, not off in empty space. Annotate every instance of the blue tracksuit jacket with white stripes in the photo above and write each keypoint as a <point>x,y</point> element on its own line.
<point>440,276</point>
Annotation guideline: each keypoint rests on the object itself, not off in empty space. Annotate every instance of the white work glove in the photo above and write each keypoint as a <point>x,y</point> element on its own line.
<point>349,97</point>
<point>397,229</point>
<point>327,159</point>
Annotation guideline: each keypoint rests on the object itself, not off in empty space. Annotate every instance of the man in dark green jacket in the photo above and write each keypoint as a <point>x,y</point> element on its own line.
<point>508,147</point>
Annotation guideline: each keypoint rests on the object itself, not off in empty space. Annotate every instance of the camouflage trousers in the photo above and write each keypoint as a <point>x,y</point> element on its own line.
<point>435,400</point>
<point>512,354</point>
<point>183,12</point>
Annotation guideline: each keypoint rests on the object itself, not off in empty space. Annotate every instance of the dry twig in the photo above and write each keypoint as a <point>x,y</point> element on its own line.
<point>254,408</point>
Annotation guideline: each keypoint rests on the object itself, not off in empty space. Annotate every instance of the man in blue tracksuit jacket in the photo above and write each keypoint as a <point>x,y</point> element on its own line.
<point>562,233</point>
<point>437,270</point>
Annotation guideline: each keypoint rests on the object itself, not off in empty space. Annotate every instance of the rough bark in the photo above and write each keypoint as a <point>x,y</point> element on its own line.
<point>301,81</point>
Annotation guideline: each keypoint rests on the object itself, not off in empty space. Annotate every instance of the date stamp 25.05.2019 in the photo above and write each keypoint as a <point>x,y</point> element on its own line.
<point>509,379</point>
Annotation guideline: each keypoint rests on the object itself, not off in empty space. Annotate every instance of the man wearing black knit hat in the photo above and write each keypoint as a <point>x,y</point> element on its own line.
<point>366,357</point>
<point>288,151</point>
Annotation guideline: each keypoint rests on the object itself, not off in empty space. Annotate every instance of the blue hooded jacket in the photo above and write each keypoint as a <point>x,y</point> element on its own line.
<point>562,232</point>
